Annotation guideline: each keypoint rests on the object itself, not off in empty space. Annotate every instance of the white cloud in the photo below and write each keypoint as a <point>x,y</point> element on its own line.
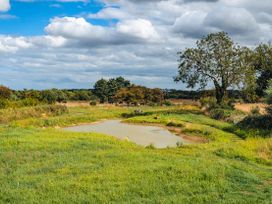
<point>4,5</point>
<point>109,13</point>
<point>139,28</point>
<point>7,17</point>
<point>126,31</point>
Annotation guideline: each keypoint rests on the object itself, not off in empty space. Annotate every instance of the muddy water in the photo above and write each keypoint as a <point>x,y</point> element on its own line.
<point>139,134</point>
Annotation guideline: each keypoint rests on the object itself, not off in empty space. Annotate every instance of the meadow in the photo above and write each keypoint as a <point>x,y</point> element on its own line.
<point>41,163</point>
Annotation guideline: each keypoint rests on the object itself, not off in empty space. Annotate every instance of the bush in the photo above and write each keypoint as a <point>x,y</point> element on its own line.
<point>38,111</point>
<point>255,110</point>
<point>220,114</point>
<point>168,103</point>
<point>209,103</point>
<point>263,122</point>
<point>4,103</point>
<point>269,110</point>
<point>5,92</point>
<point>93,103</point>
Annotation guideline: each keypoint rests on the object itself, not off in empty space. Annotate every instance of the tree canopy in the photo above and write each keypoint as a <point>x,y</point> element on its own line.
<point>263,65</point>
<point>215,60</point>
<point>105,90</point>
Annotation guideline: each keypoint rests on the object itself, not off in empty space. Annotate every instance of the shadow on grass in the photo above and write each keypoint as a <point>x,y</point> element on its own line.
<point>148,113</point>
<point>253,126</point>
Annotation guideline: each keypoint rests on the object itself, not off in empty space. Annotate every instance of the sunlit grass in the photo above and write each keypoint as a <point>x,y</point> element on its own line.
<point>48,165</point>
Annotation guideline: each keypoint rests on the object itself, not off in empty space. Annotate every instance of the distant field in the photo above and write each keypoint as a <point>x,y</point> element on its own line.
<point>40,163</point>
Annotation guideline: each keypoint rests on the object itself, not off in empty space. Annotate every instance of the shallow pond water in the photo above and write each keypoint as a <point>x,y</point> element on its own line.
<point>139,134</point>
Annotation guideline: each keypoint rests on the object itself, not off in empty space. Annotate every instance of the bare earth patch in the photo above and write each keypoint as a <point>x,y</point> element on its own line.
<point>247,107</point>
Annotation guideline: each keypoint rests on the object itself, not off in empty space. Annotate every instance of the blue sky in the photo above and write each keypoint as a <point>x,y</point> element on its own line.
<point>73,43</point>
<point>30,18</point>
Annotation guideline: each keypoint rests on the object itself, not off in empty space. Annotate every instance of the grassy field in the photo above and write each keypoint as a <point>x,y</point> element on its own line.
<point>40,163</point>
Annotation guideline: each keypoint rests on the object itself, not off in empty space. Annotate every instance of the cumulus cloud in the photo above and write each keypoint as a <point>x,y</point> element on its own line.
<point>126,31</point>
<point>4,5</point>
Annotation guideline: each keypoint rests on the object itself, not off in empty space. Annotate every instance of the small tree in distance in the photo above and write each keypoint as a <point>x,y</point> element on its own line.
<point>5,92</point>
<point>217,60</point>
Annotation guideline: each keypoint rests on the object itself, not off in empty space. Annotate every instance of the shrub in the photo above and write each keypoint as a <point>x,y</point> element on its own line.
<point>207,102</point>
<point>219,114</point>
<point>93,103</point>
<point>263,122</point>
<point>255,110</point>
<point>4,103</point>
<point>168,103</point>
<point>37,111</point>
<point>174,124</point>
<point>269,110</point>
<point>5,92</point>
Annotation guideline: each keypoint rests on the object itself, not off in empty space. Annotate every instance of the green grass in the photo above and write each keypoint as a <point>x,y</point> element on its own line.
<point>48,165</point>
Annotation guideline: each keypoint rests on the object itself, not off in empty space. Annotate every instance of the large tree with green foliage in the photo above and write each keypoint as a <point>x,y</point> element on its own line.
<point>101,90</point>
<point>262,61</point>
<point>215,60</point>
<point>106,89</point>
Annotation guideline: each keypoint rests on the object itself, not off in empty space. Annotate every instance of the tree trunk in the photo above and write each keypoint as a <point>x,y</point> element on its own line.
<point>219,93</point>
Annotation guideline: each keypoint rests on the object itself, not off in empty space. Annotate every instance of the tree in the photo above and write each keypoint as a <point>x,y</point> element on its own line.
<point>269,97</point>
<point>106,89</point>
<point>101,90</point>
<point>263,65</point>
<point>250,79</point>
<point>116,84</point>
<point>5,92</point>
<point>216,59</point>
<point>139,95</point>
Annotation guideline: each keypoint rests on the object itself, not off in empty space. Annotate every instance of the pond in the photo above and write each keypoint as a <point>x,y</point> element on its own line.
<point>140,134</point>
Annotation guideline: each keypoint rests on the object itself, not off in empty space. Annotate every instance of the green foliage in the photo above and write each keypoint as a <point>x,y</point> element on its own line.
<point>4,103</point>
<point>105,90</point>
<point>139,95</point>
<point>168,103</point>
<point>5,93</point>
<point>255,111</point>
<point>216,59</point>
<point>257,122</point>
<point>262,62</point>
<point>49,96</point>
<point>269,93</point>
<point>35,112</point>
<point>209,103</point>
<point>93,103</point>
<point>220,114</point>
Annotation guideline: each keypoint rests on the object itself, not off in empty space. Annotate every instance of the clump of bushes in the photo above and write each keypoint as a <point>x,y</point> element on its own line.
<point>8,115</point>
<point>224,111</point>
<point>258,121</point>
<point>168,103</point>
<point>174,124</point>
<point>139,95</point>
<point>220,113</point>
<point>209,103</point>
